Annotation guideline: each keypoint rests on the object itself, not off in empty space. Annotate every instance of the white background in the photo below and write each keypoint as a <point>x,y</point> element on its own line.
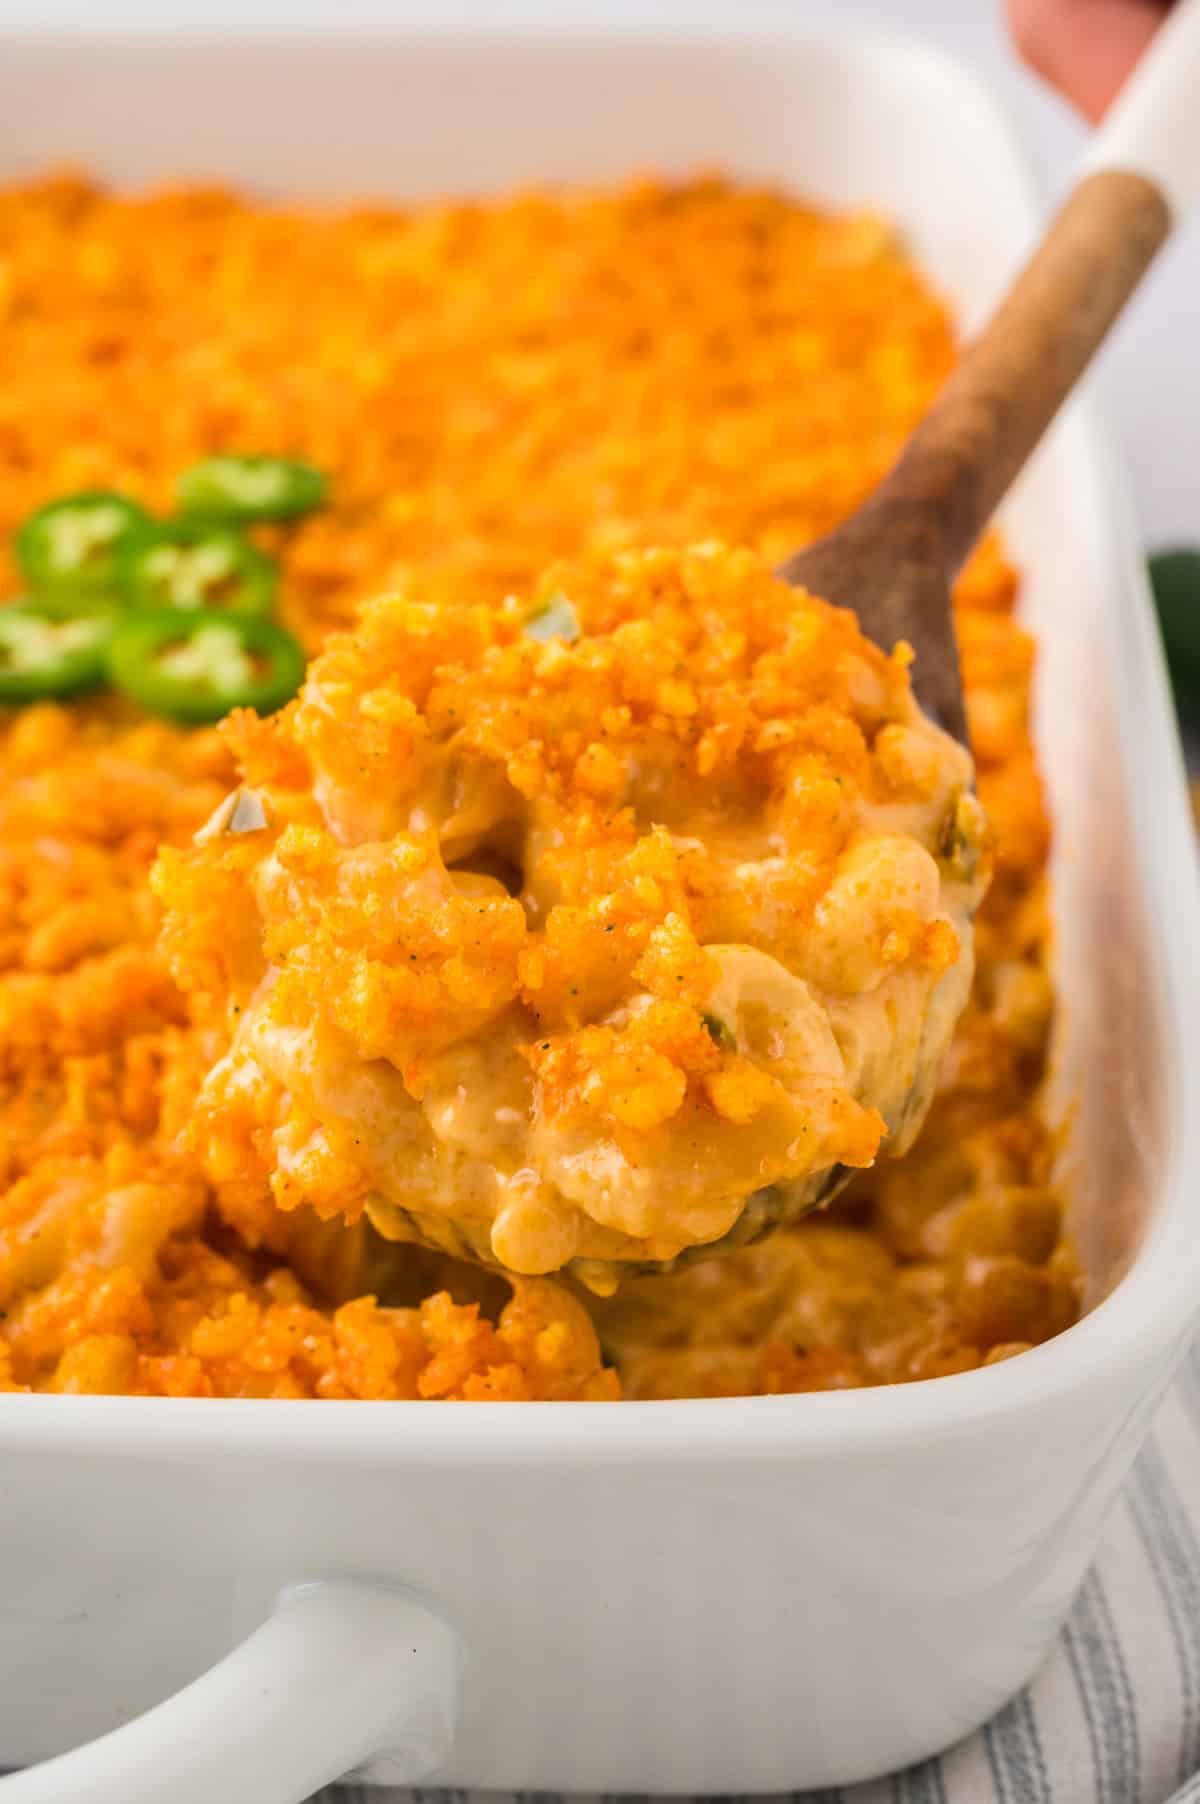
<point>1150,377</point>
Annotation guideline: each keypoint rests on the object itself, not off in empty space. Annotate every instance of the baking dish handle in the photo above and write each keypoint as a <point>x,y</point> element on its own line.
<point>343,1675</point>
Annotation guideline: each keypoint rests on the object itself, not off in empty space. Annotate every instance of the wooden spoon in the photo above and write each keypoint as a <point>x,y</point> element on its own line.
<point>894,560</point>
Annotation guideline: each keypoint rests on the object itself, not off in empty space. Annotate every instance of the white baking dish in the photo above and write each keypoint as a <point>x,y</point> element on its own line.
<point>719,1596</point>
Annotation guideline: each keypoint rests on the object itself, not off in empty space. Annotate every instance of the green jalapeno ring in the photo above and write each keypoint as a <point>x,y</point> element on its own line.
<point>45,656</point>
<point>73,544</point>
<point>232,489</point>
<point>195,666</point>
<point>188,565</point>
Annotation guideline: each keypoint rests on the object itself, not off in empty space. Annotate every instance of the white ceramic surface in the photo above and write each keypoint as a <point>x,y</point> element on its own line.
<point>730,1596</point>
<point>341,1673</point>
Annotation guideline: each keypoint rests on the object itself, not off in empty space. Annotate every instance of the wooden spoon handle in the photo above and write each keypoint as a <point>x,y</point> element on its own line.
<point>1015,376</point>
<point>1142,168</point>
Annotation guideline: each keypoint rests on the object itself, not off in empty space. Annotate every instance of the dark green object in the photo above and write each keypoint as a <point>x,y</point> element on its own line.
<point>187,565</point>
<point>234,489</point>
<point>720,1032</point>
<point>44,656</point>
<point>1175,577</point>
<point>195,667</point>
<point>71,547</point>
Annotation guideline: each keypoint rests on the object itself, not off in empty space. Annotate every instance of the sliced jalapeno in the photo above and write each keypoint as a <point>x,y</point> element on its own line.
<point>44,656</point>
<point>183,564</point>
<point>250,488</point>
<point>196,667</point>
<point>73,545</point>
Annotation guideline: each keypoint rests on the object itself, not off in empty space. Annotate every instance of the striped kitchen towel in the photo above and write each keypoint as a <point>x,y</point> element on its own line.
<point>1114,1716</point>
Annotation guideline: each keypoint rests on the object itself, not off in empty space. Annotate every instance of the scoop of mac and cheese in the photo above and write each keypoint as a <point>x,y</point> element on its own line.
<point>557,932</point>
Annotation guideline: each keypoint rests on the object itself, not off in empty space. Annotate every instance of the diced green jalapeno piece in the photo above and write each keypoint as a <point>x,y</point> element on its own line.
<point>72,546</point>
<point>183,564</point>
<point>195,667</point>
<point>721,1033</point>
<point>555,619</point>
<point>250,488</point>
<point>44,656</point>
